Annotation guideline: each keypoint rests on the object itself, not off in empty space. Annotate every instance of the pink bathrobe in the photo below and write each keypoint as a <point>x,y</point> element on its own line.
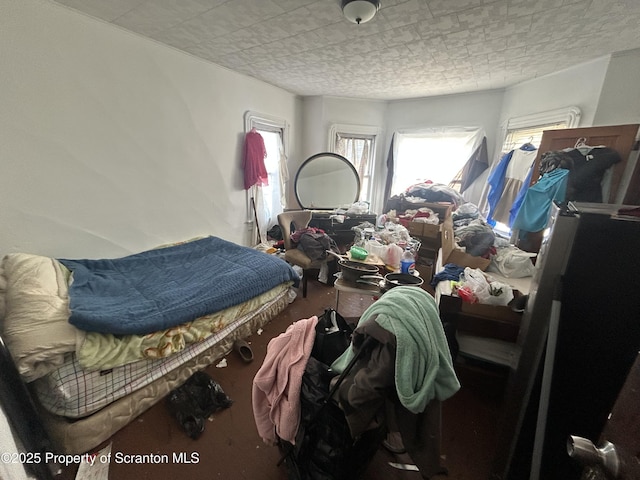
<point>276,386</point>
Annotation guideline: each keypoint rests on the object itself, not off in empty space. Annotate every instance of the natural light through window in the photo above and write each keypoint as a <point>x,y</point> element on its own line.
<point>271,193</point>
<point>265,202</point>
<point>434,156</point>
<point>359,151</point>
<point>357,143</point>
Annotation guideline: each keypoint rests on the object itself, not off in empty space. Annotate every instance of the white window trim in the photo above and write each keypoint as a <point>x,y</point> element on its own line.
<point>264,121</point>
<point>355,130</point>
<point>337,128</point>
<point>570,115</point>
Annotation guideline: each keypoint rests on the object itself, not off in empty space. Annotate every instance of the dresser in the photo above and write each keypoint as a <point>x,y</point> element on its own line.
<point>340,232</point>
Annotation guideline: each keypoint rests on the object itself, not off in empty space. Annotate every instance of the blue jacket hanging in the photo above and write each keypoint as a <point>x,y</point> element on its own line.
<point>496,184</point>
<point>534,212</point>
<point>515,208</point>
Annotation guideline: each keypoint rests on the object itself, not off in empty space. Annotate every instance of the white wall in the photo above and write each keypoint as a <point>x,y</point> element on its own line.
<point>578,86</point>
<point>322,112</point>
<point>111,143</point>
<point>620,102</point>
<point>620,98</point>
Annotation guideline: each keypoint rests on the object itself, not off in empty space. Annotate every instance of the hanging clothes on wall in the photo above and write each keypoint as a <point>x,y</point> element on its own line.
<point>517,203</point>
<point>255,172</point>
<point>507,180</point>
<point>590,164</point>
<point>534,212</point>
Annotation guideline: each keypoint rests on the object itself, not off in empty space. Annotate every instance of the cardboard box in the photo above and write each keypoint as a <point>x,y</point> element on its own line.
<point>428,230</point>
<point>425,268</point>
<point>451,253</point>
<point>426,254</point>
<point>492,321</point>
<point>460,257</point>
<point>414,228</point>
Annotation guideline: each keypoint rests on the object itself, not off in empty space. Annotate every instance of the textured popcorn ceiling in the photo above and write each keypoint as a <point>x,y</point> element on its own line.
<point>412,48</point>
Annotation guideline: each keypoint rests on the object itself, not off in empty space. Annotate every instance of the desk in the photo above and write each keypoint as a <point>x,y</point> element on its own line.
<point>341,286</point>
<point>340,231</point>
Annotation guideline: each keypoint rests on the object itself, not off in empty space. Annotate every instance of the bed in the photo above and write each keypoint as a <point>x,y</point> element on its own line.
<point>100,341</point>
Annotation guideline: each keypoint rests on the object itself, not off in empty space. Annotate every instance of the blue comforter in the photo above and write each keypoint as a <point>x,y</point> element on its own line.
<point>161,288</point>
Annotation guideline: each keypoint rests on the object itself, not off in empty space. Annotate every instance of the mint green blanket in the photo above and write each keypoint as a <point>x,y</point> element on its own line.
<point>423,368</point>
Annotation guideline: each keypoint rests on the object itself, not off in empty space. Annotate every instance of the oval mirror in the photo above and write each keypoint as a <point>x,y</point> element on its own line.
<point>326,181</point>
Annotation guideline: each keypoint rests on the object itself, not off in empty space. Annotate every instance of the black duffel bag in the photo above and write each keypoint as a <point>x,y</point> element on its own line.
<point>324,448</point>
<point>333,336</point>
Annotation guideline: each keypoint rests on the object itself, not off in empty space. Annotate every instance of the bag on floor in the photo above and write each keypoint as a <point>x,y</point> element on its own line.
<point>195,400</point>
<point>333,336</point>
<point>324,448</point>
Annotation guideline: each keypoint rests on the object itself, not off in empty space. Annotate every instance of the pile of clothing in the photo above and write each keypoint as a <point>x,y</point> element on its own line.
<point>314,242</point>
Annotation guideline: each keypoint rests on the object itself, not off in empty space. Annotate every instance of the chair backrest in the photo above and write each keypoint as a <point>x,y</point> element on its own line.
<point>299,218</point>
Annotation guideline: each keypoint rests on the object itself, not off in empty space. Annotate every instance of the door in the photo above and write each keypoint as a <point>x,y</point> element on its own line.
<point>597,341</point>
<point>621,138</point>
<point>621,436</point>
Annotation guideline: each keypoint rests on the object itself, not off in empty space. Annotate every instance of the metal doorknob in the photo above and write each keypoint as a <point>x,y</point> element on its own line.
<point>587,454</point>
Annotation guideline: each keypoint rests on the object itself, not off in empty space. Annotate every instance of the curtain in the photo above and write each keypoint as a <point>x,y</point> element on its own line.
<point>390,163</point>
<point>477,164</point>
<point>270,199</point>
<point>357,151</point>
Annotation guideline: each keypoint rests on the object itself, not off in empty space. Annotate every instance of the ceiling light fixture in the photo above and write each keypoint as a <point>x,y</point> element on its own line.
<point>360,11</point>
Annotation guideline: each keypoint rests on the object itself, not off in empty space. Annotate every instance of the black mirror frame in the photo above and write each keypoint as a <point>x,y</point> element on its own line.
<point>326,154</point>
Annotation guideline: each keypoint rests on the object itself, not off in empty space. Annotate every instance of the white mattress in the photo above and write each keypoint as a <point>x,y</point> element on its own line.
<point>72,392</point>
<point>75,436</point>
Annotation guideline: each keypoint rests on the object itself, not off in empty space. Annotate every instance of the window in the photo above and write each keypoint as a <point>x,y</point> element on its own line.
<point>435,155</point>
<point>272,193</point>
<point>532,135</point>
<point>529,128</point>
<point>269,200</point>
<point>358,145</point>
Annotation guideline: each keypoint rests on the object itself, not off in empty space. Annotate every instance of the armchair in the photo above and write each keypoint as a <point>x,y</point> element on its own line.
<point>299,219</point>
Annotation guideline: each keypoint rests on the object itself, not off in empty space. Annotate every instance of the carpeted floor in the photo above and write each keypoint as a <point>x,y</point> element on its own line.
<point>230,448</point>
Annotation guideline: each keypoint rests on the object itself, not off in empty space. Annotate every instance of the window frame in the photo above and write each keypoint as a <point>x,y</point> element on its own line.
<point>569,115</point>
<point>360,132</point>
<point>262,121</point>
<point>271,123</point>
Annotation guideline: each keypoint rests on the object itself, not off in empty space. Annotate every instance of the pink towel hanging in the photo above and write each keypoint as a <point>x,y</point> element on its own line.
<point>255,152</point>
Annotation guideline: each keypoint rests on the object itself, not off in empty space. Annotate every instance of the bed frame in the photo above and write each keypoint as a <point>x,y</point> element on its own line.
<point>23,416</point>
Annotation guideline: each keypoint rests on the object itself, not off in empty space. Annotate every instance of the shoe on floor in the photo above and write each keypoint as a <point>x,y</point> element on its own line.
<point>244,350</point>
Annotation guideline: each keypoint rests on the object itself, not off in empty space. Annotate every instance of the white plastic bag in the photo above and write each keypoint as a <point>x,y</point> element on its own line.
<point>499,294</point>
<point>511,262</point>
<point>476,282</point>
<point>490,293</point>
<point>394,253</point>
<point>358,208</point>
